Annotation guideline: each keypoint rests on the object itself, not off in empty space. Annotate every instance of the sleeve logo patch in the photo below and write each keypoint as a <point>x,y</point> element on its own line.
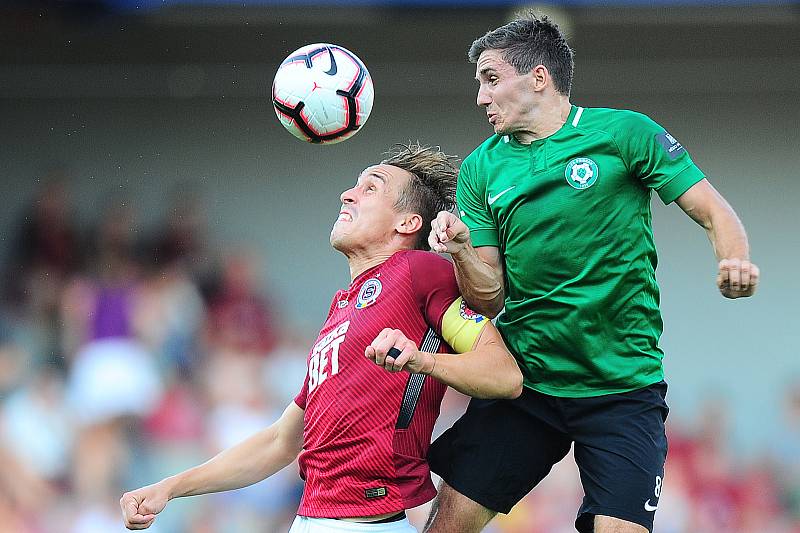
<point>468,314</point>
<point>581,173</point>
<point>376,492</point>
<point>670,144</point>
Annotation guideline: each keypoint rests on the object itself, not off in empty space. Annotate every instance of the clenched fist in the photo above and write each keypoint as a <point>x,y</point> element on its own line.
<point>395,352</point>
<point>737,278</point>
<point>448,233</point>
<point>140,507</point>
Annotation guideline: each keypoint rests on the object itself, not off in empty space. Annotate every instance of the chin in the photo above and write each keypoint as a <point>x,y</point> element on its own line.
<point>338,242</point>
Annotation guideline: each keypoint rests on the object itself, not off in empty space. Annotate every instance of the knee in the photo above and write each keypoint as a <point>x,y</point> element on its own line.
<point>452,512</point>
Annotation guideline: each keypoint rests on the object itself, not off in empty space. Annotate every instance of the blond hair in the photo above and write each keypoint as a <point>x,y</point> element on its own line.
<point>432,187</point>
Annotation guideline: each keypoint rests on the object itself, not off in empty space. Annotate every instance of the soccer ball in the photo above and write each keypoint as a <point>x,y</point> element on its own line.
<point>322,93</point>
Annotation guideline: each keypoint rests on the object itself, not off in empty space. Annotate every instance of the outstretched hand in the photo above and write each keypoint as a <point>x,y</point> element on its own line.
<point>737,278</point>
<point>405,355</point>
<point>140,507</point>
<point>448,233</point>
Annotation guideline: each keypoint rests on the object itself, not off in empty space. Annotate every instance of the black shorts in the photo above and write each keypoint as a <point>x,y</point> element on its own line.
<point>500,449</point>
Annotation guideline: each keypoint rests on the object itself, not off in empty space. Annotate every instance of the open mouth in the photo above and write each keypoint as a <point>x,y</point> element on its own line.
<point>345,217</point>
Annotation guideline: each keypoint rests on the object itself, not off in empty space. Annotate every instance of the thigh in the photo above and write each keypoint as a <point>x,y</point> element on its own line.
<point>620,449</point>
<point>607,524</point>
<point>500,449</point>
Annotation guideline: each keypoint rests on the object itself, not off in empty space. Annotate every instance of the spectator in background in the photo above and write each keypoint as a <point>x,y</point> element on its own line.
<point>113,379</point>
<point>240,319</point>
<point>240,334</point>
<point>171,314</point>
<point>170,322</point>
<point>23,495</point>
<point>182,238</point>
<point>45,252</point>
<point>786,451</point>
<point>240,331</point>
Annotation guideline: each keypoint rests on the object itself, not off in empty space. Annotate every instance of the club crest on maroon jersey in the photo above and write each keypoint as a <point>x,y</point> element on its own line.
<point>369,292</point>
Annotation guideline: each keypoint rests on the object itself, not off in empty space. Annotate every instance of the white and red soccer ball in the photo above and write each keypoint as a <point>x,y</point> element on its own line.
<point>322,93</point>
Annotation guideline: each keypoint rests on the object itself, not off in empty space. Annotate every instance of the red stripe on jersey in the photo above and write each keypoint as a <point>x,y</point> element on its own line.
<point>354,461</point>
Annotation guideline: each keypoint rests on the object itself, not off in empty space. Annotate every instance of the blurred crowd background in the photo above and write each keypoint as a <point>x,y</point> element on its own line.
<point>127,356</point>
<point>165,263</point>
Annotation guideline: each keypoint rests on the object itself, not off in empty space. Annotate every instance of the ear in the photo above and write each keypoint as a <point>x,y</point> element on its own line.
<point>540,77</point>
<point>410,223</point>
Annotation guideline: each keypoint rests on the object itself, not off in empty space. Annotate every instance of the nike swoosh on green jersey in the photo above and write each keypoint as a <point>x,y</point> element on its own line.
<point>492,199</point>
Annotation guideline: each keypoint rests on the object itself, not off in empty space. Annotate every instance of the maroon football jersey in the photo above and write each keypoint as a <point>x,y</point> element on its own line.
<point>367,431</point>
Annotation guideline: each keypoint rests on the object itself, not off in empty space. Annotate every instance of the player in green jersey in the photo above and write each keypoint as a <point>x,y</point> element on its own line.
<point>554,225</point>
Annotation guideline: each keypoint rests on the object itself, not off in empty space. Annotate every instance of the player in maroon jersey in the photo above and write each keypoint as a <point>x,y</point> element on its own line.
<point>392,342</point>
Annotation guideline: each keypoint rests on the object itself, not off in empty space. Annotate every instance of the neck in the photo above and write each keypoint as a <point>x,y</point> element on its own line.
<point>548,119</point>
<point>362,258</point>
<point>360,264</point>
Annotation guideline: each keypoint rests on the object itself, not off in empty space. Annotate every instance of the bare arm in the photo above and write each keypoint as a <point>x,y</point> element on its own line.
<point>250,461</point>
<point>486,371</point>
<point>737,277</point>
<point>479,271</point>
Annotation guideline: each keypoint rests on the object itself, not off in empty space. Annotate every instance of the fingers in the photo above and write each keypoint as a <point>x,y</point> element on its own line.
<point>438,235</point>
<point>390,349</point>
<point>755,275</point>
<point>448,233</point>
<point>737,278</point>
<point>131,516</point>
<point>398,359</point>
<point>433,242</point>
<point>378,349</point>
<point>139,522</point>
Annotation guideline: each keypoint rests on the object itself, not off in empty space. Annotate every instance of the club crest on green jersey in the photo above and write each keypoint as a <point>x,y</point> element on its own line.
<point>581,173</point>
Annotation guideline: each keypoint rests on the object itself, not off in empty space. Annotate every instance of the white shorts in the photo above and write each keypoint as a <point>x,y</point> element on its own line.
<point>304,524</point>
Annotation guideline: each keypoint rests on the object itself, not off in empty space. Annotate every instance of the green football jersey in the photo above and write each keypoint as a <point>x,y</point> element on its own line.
<point>571,216</point>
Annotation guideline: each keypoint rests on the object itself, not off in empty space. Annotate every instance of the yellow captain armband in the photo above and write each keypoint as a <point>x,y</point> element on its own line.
<point>461,326</point>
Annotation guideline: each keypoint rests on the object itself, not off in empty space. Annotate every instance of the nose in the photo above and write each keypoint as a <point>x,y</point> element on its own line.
<point>483,97</point>
<point>348,196</point>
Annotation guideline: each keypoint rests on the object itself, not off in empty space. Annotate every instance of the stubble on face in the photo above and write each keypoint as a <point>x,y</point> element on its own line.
<point>506,94</point>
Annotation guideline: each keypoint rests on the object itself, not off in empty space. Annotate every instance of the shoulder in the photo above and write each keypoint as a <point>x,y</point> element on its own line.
<point>484,159</point>
<point>492,144</point>
<point>420,260</point>
<point>429,271</point>
<point>615,122</point>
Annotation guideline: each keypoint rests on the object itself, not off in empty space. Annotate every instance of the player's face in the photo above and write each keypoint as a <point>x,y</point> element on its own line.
<point>507,95</point>
<point>368,216</point>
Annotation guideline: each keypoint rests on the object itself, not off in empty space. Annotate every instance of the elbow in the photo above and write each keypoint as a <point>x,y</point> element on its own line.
<point>505,387</point>
<point>497,304</point>
<point>514,380</point>
<point>514,389</point>
<point>489,308</point>
<point>492,310</point>
<point>507,390</point>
